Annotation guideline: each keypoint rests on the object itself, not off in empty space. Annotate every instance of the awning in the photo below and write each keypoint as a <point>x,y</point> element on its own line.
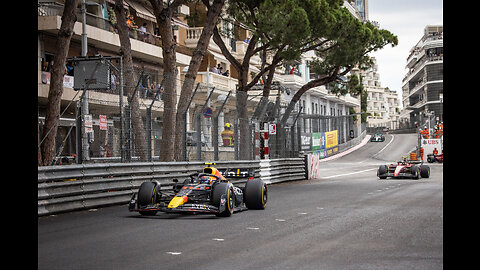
<point>218,56</point>
<point>142,11</point>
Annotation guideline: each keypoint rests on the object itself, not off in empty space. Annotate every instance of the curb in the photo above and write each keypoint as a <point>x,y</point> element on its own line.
<point>348,151</point>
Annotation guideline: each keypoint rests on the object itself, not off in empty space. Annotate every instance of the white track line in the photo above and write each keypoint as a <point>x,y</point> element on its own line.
<point>393,137</point>
<point>337,175</point>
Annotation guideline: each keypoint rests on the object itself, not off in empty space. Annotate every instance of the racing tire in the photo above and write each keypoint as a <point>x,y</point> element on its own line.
<point>424,171</point>
<point>415,172</point>
<point>145,197</point>
<point>382,171</point>
<point>256,194</point>
<point>217,192</point>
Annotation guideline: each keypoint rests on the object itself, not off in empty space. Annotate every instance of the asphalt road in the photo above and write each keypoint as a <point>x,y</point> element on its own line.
<point>346,219</point>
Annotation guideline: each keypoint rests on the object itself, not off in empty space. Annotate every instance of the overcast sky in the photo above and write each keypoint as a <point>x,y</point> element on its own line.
<point>406,19</point>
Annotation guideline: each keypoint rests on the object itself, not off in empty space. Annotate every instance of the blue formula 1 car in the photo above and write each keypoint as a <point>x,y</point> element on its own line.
<point>207,192</point>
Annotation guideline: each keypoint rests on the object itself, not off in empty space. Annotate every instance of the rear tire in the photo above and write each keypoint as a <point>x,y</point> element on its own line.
<point>146,196</point>
<point>256,194</point>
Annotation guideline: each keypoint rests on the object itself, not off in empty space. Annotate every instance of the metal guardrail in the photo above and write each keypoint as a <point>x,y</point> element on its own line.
<point>85,186</point>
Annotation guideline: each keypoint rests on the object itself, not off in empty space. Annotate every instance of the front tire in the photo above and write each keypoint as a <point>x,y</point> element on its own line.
<point>146,196</point>
<point>415,172</point>
<point>424,171</point>
<point>227,190</point>
<point>382,171</point>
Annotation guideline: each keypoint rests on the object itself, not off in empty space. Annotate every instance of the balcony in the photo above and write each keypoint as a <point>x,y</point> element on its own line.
<point>220,82</point>
<point>101,34</point>
<point>236,47</point>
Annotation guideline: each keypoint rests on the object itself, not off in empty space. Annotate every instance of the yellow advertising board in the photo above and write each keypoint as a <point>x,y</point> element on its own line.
<point>331,139</point>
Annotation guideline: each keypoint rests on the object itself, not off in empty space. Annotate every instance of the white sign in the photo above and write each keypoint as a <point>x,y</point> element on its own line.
<point>272,129</point>
<point>103,122</point>
<point>430,144</point>
<point>88,122</point>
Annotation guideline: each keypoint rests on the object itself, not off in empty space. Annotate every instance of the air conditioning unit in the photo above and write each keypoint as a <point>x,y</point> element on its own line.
<point>183,10</point>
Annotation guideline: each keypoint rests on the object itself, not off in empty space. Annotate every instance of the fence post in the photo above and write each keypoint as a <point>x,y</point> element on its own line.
<point>215,128</point>
<point>148,136</point>
<point>184,134</point>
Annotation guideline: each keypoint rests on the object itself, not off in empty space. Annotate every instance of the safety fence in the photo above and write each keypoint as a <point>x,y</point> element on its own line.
<point>85,186</point>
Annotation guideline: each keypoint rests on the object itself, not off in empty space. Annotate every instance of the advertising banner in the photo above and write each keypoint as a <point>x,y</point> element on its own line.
<point>306,141</point>
<point>331,139</point>
<point>318,141</point>
<point>430,144</point>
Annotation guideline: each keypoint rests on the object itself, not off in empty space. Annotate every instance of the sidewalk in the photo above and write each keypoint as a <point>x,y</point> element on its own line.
<point>348,151</point>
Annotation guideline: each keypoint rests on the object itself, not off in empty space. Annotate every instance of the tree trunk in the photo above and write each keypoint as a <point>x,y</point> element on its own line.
<point>130,82</point>
<point>163,15</point>
<point>314,83</point>
<point>187,87</point>
<point>55,91</point>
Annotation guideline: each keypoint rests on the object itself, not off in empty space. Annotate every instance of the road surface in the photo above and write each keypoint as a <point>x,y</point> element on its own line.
<point>345,219</point>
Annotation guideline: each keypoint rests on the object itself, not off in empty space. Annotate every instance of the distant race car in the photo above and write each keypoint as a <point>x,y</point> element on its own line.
<point>207,192</point>
<point>404,169</point>
<point>377,137</point>
<point>434,158</point>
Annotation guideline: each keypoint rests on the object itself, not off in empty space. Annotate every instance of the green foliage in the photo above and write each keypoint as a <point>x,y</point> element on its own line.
<point>352,86</point>
<point>283,23</point>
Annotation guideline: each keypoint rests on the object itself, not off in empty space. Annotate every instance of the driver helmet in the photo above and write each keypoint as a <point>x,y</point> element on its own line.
<point>228,125</point>
<point>204,179</point>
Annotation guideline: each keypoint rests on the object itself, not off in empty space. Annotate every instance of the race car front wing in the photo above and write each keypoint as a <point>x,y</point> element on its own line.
<point>197,208</point>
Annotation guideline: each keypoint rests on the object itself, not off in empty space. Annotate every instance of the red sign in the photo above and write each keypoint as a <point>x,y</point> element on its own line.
<point>272,129</point>
<point>103,122</point>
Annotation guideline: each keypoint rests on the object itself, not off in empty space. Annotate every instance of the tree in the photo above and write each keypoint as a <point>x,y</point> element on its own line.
<point>348,42</point>
<point>164,13</point>
<point>213,12</point>
<point>278,28</point>
<point>130,81</point>
<point>55,92</point>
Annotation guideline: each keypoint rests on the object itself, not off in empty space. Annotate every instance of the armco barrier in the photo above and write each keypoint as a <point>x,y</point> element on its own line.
<point>77,187</point>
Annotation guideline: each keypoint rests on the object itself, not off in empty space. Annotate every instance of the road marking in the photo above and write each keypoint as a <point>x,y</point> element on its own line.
<point>281,220</point>
<point>393,137</point>
<point>174,252</point>
<point>253,228</point>
<point>332,176</point>
<point>302,213</point>
<point>218,239</point>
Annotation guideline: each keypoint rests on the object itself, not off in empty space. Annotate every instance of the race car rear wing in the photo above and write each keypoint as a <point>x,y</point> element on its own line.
<point>238,172</point>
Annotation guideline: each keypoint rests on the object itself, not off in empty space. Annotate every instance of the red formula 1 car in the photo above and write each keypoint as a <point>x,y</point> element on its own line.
<point>434,158</point>
<point>404,169</point>
<point>206,192</point>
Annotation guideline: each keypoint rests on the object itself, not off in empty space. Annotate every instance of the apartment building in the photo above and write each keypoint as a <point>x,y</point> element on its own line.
<point>382,103</point>
<point>147,57</point>
<point>422,86</point>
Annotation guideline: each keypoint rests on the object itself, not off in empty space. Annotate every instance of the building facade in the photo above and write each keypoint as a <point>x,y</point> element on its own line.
<point>422,86</point>
<point>147,59</point>
<point>382,103</point>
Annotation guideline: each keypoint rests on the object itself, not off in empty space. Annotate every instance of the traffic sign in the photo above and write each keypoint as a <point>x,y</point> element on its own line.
<point>103,122</point>
<point>207,112</point>
<point>272,129</point>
